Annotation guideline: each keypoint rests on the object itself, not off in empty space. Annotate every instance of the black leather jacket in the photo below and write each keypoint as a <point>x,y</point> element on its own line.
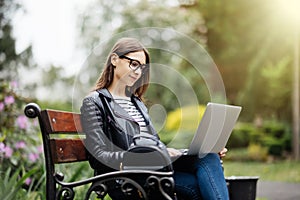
<point>109,129</point>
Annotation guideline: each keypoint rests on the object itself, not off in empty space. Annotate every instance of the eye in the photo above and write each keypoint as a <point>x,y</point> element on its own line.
<point>135,64</point>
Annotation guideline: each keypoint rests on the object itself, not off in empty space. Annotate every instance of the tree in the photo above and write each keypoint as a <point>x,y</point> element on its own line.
<point>244,37</point>
<point>10,60</point>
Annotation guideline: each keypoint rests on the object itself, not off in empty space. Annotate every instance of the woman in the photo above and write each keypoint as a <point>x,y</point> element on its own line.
<point>121,86</point>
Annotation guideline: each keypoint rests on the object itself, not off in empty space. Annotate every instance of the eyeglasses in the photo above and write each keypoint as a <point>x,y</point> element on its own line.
<point>135,64</point>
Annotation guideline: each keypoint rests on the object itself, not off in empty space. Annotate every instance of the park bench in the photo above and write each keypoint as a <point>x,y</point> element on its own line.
<point>59,148</point>
<point>56,128</point>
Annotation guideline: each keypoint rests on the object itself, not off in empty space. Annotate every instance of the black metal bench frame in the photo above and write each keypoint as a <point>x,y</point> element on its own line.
<point>70,150</point>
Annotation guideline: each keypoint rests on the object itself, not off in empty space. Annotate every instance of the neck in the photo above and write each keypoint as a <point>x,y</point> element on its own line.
<point>117,90</point>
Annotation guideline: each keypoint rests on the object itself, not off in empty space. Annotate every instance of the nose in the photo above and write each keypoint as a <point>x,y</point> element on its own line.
<point>138,71</point>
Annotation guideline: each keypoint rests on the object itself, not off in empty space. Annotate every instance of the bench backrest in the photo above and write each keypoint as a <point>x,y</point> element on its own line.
<point>64,150</point>
<point>63,140</point>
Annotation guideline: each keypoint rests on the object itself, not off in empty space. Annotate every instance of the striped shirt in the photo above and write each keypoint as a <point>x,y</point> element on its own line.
<point>131,109</point>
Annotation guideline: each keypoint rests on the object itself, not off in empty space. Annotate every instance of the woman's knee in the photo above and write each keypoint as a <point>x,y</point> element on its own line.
<point>210,159</point>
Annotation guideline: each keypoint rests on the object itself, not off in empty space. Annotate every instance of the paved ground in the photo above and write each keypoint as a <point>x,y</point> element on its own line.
<point>277,191</point>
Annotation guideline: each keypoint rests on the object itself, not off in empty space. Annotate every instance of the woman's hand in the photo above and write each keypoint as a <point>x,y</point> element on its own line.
<point>174,152</point>
<point>222,153</point>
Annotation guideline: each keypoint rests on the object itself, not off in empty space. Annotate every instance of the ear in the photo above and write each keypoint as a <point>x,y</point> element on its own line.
<point>114,59</point>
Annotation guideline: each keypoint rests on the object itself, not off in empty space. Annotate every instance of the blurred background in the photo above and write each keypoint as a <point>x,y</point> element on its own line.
<point>254,44</point>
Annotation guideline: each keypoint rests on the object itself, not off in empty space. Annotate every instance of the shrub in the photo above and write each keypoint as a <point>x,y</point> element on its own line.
<point>275,146</point>
<point>181,125</point>
<point>257,152</point>
<point>185,119</point>
<point>277,137</point>
<point>275,129</point>
<point>12,185</point>
<point>240,136</point>
<point>19,141</point>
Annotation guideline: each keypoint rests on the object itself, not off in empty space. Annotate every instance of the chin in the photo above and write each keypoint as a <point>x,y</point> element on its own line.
<point>130,84</point>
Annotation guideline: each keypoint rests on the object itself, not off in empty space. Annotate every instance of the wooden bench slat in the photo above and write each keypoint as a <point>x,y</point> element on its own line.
<point>67,150</point>
<point>63,122</point>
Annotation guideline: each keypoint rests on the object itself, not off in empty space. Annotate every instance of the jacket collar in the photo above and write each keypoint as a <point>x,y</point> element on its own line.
<point>135,100</point>
<point>104,92</point>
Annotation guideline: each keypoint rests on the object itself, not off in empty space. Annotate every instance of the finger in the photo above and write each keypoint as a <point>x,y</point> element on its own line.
<point>224,150</point>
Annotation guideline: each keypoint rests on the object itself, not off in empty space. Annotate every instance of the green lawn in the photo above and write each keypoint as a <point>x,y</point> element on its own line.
<point>287,171</point>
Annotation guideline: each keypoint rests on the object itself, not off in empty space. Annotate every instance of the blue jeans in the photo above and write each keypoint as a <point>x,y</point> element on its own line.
<point>200,178</point>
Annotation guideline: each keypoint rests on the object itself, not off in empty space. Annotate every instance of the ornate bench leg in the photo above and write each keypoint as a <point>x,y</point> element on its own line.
<point>127,187</point>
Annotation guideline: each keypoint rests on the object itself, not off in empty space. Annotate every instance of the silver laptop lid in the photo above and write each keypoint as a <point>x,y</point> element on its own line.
<point>214,129</point>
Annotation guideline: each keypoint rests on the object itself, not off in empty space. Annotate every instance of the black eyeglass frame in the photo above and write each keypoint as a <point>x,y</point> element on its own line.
<point>142,66</point>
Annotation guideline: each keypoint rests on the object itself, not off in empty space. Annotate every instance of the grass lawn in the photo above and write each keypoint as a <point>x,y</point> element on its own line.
<point>287,171</point>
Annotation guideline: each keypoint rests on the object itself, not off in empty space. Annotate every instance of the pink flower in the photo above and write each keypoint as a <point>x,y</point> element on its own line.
<point>1,106</point>
<point>22,122</point>
<point>14,84</point>
<point>20,145</point>
<point>35,122</point>
<point>28,181</point>
<point>40,149</point>
<point>9,100</point>
<point>8,152</point>
<point>33,157</point>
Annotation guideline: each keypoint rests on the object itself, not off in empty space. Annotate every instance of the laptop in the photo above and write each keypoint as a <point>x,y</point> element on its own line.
<point>214,129</point>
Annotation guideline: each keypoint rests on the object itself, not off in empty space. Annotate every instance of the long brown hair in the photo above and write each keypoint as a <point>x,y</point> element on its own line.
<point>122,47</point>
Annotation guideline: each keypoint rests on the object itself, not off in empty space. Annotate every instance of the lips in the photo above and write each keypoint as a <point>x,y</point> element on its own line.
<point>133,78</point>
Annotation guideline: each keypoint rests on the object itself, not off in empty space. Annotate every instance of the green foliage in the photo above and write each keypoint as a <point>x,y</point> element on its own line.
<point>272,138</point>
<point>12,184</point>
<point>257,153</point>
<point>274,145</point>
<point>275,129</point>
<point>271,89</point>
<point>252,51</point>
<point>240,136</point>
<point>277,137</point>
<point>181,125</point>
<point>76,172</point>
<point>186,118</point>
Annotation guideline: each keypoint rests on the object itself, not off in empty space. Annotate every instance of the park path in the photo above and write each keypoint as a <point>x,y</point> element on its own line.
<point>268,190</point>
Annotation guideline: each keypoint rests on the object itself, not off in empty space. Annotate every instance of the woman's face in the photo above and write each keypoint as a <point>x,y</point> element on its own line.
<point>124,73</point>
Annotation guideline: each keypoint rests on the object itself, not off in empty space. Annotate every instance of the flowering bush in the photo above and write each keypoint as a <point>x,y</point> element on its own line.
<point>20,144</point>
